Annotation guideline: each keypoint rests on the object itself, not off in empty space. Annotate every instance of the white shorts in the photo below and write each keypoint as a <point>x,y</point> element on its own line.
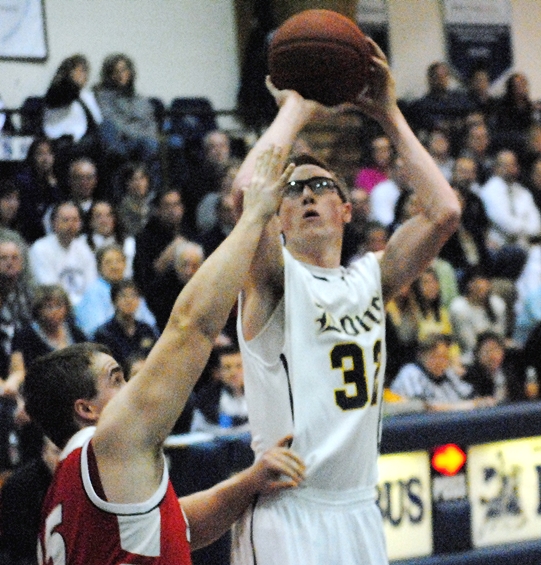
<point>308,527</point>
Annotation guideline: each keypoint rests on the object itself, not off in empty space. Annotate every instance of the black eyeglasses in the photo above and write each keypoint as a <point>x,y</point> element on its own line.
<point>318,185</point>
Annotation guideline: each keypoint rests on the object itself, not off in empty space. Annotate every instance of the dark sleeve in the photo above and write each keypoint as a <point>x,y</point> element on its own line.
<point>61,93</point>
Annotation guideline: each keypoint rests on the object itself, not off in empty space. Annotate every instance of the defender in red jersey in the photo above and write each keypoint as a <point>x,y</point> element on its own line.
<point>111,502</point>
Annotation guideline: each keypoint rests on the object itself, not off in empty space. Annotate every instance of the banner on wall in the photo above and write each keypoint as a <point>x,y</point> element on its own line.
<point>373,20</point>
<point>478,34</point>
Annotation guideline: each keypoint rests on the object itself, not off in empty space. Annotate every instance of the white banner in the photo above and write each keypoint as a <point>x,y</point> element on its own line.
<point>504,482</point>
<point>405,502</point>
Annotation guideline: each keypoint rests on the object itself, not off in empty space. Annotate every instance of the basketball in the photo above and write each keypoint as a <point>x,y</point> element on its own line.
<point>322,55</point>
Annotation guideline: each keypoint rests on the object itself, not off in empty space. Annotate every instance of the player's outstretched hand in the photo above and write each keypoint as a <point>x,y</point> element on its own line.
<point>378,100</point>
<point>263,195</point>
<point>278,468</point>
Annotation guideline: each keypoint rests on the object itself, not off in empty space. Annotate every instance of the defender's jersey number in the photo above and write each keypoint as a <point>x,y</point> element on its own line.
<point>55,547</point>
<point>350,359</point>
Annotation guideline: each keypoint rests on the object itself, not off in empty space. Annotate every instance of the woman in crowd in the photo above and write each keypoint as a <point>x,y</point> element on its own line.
<point>130,129</point>
<point>103,227</point>
<point>72,116</point>
<point>135,197</point>
<point>39,188</point>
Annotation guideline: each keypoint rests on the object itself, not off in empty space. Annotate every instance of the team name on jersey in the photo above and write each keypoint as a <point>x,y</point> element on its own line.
<point>352,324</point>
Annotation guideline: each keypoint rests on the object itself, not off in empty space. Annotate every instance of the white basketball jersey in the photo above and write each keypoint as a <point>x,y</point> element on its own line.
<point>316,371</point>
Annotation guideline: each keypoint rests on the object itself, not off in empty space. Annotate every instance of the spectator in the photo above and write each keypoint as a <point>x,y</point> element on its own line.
<point>52,327</point>
<point>63,257</point>
<point>227,215</point>
<point>39,188</point>
<point>129,129</point>
<point>432,379</point>
<point>82,183</point>
<point>442,107</point>
<point>513,216</point>
<point>515,113</point>
<point>476,311</point>
<point>72,116</point>
<point>439,147</point>
<point>156,243</point>
<point>189,256</point>
<point>487,373</point>
<point>379,168</point>
<point>9,206</point>
<point>355,232</point>
<point>466,248</point>
<point>134,206</point>
<point>207,171</point>
<point>22,495</point>
<point>96,306</point>
<point>208,209</point>
<point>477,146</point>
<point>479,93</point>
<point>16,289</point>
<point>385,195</point>
<point>220,405</point>
<point>123,334</point>
<point>103,228</point>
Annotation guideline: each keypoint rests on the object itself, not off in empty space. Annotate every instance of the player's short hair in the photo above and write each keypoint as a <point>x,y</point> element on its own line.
<point>53,383</point>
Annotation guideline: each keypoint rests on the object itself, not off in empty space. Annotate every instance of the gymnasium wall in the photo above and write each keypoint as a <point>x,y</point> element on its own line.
<point>190,48</point>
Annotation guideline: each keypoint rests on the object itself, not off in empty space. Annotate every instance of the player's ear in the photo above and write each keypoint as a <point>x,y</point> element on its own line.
<point>346,212</point>
<point>85,411</point>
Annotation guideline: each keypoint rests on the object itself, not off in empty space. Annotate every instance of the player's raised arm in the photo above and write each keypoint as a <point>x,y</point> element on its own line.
<point>136,421</point>
<point>419,240</point>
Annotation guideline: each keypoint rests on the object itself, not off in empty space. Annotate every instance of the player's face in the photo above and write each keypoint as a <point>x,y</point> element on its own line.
<point>109,379</point>
<point>305,214</point>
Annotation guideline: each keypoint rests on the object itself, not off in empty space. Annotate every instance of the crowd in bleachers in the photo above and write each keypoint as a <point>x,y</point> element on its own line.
<point>98,236</point>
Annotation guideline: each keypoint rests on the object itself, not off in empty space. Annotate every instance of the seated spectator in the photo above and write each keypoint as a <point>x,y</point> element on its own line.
<point>163,292</point>
<point>432,379</point>
<point>52,327</point>
<point>39,188</point>
<point>385,195</point>
<point>156,242</point>
<point>206,171</point>
<point>226,218</point>
<point>379,167</point>
<point>513,216</point>
<point>220,405</point>
<point>376,237</point>
<point>9,206</point>
<point>16,288</point>
<point>64,257</point>
<point>82,183</point>
<point>130,130</point>
<point>123,334</point>
<point>479,95</point>
<point>514,114</point>
<point>355,232</point>
<point>531,361</point>
<point>466,249</point>
<point>22,495</point>
<point>102,227</point>
<point>477,146</point>
<point>96,306</point>
<point>487,372</point>
<point>208,209</point>
<point>439,147</point>
<point>478,310</point>
<point>442,107</point>
<point>72,115</point>
<point>134,206</point>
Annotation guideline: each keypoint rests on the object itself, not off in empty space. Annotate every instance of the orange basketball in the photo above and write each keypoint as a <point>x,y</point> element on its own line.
<point>322,55</point>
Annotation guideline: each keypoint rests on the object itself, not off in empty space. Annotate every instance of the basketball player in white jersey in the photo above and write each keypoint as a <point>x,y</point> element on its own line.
<point>313,341</point>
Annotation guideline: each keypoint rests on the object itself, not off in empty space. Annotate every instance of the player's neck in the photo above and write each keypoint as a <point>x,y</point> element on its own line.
<point>326,255</point>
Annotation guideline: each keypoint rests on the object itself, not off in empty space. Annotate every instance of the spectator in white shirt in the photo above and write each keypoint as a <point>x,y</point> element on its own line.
<point>64,256</point>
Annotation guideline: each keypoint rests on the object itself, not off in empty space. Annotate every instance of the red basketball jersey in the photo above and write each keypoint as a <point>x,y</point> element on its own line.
<point>79,527</point>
